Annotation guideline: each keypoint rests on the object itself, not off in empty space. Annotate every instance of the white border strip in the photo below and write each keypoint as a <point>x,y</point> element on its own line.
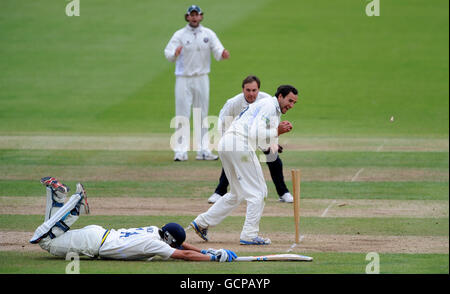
<point>295,244</point>
<point>357,174</point>
<point>329,206</point>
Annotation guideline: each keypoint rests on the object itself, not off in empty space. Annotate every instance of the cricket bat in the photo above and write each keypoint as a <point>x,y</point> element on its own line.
<point>275,257</point>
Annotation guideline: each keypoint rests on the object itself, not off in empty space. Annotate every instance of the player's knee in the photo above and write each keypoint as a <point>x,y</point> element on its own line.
<point>230,199</point>
<point>45,244</point>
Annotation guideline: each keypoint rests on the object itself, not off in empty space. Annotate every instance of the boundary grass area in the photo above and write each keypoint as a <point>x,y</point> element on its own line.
<point>324,263</point>
<point>203,189</point>
<point>310,225</point>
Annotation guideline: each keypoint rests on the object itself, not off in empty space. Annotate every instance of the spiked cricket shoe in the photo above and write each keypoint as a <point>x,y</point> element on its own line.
<point>180,156</point>
<point>256,241</point>
<point>84,202</point>
<point>287,197</point>
<point>201,232</point>
<point>206,155</point>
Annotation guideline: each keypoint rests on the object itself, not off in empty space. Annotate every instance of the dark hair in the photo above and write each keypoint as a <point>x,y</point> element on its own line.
<point>284,90</point>
<point>251,79</point>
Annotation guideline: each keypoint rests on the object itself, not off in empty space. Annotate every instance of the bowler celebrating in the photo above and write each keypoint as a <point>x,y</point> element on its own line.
<point>232,108</point>
<point>257,126</point>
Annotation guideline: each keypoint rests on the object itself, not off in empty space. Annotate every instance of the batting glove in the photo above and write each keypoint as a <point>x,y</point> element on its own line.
<point>210,251</point>
<point>224,255</point>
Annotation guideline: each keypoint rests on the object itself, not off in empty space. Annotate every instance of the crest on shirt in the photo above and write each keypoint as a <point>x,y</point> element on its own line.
<point>205,40</point>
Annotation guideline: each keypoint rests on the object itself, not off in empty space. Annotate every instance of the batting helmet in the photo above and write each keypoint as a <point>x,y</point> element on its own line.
<point>173,234</point>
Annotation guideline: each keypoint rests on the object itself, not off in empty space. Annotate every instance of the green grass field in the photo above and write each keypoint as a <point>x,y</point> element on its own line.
<point>90,99</point>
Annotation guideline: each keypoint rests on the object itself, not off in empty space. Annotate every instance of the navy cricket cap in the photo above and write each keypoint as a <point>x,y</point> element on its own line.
<point>194,8</point>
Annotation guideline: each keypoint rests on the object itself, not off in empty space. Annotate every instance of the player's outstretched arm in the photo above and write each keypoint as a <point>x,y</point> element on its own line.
<point>188,246</point>
<point>192,253</point>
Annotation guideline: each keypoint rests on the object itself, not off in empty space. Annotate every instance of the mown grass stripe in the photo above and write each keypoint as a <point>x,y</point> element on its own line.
<point>161,142</point>
<point>324,263</point>
<point>308,225</point>
<point>203,189</point>
<point>165,158</point>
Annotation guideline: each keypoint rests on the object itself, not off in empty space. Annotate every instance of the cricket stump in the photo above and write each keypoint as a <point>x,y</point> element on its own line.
<point>296,191</point>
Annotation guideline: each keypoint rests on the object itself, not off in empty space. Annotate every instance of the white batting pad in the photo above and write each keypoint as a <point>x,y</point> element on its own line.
<point>47,225</point>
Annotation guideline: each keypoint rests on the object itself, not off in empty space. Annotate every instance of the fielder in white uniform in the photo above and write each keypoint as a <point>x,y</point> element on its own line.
<point>257,126</point>
<point>143,243</point>
<point>232,108</point>
<point>190,48</point>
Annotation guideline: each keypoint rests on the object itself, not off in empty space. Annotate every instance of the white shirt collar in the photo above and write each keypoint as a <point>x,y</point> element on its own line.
<point>194,30</point>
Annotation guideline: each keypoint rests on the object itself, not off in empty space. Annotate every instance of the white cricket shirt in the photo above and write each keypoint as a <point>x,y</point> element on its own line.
<point>258,124</point>
<point>234,106</point>
<point>135,244</point>
<point>195,57</point>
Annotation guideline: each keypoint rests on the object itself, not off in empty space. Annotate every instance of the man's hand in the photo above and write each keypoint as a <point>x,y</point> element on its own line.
<point>280,148</point>
<point>284,127</point>
<point>210,251</point>
<point>225,54</point>
<point>223,255</point>
<point>274,148</point>
<point>178,51</point>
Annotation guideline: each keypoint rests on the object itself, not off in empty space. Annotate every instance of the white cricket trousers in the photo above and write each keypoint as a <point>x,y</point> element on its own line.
<point>192,92</point>
<point>84,241</point>
<point>247,182</point>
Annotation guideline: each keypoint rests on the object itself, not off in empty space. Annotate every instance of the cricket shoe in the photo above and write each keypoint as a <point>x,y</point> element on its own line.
<point>56,195</point>
<point>56,185</point>
<point>206,155</point>
<point>214,197</point>
<point>83,202</point>
<point>256,241</point>
<point>287,197</point>
<point>201,232</point>
<point>180,156</point>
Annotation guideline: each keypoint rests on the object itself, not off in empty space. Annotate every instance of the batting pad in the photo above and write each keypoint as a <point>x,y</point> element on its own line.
<point>47,225</point>
<point>49,203</point>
